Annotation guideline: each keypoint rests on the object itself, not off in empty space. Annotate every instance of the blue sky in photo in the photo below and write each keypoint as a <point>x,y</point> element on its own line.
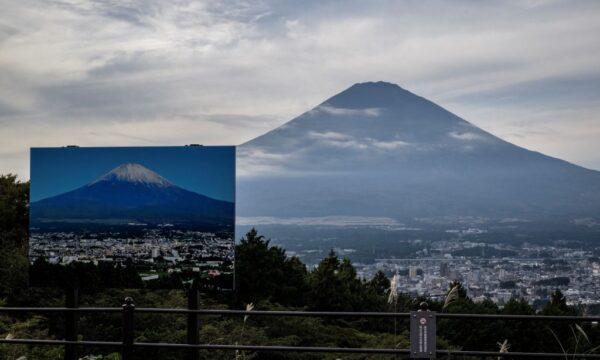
<point>207,170</point>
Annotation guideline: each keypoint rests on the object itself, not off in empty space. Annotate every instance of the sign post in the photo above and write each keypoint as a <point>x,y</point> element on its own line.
<point>422,333</point>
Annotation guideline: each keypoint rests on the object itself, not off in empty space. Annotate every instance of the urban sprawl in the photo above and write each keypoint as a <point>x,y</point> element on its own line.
<point>154,251</point>
<point>533,273</point>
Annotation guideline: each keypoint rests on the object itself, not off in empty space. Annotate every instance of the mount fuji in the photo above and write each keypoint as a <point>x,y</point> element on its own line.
<point>131,191</point>
<point>377,150</point>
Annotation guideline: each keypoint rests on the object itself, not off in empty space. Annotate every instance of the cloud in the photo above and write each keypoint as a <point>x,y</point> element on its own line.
<point>390,145</point>
<point>257,162</point>
<point>173,71</point>
<point>289,159</point>
<point>336,139</point>
<point>466,136</point>
<point>177,130</point>
<point>329,135</point>
<point>336,111</point>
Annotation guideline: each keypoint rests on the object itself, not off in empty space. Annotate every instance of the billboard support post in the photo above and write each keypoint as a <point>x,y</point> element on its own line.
<point>193,326</point>
<point>128,329</point>
<point>71,318</point>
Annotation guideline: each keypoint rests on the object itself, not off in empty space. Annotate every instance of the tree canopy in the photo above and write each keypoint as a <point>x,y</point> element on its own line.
<point>14,220</point>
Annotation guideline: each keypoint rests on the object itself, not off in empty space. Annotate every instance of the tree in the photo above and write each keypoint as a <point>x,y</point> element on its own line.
<point>14,220</point>
<point>460,333</point>
<point>334,286</point>
<point>558,305</point>
<point>264,272</point>
<point>379,284</point>
<point>522,335</point>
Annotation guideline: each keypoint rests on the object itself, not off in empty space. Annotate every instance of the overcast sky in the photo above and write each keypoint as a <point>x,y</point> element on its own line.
<point>179,72</point>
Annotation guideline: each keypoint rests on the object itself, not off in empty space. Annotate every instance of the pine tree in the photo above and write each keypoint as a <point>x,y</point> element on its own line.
<point>14,220</point>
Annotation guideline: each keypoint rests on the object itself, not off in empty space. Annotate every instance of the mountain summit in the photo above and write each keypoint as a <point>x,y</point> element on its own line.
<point>373,94</point>
<point>376,149</point>
<point>370,123</point>
<point>134,173</point>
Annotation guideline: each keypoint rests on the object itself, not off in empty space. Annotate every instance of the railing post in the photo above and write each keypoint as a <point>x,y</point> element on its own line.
<point>128,328</point>
<point>71,318</point>
<point>193,326</point>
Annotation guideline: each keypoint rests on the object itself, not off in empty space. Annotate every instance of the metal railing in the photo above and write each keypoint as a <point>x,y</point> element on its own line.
<point>127,345</point>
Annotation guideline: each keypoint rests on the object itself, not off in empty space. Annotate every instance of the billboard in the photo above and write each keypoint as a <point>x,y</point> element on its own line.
<point>132,216</point>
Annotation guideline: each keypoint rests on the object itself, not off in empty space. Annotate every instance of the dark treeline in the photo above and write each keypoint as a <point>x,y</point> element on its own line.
<point>269,280</point>
<point>92,278</point>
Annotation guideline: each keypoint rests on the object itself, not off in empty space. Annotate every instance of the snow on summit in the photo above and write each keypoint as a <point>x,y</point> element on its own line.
<point>135,173</point>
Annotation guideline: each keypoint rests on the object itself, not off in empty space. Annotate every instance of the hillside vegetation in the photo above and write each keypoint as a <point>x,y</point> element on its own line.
<point>269,280</point>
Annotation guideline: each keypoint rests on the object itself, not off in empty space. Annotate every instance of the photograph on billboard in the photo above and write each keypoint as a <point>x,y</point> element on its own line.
<point>155,217</point>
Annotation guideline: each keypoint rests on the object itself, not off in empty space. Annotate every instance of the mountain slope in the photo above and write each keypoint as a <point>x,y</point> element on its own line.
<point>132,191</point>
<point>378,150</point>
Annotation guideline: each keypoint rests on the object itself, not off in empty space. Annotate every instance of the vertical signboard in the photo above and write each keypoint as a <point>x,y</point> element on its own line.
<point>422,334</point>
<point>132,216</point>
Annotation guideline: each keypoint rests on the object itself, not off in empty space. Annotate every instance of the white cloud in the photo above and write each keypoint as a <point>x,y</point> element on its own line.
<point>332,138</point>
<point>467,136</point>
<point>337,139</point>
<point>368,112</point>
<point>257,162</point>
<point>390,145</point>
<point>329,135</point>
<point>164,71</point>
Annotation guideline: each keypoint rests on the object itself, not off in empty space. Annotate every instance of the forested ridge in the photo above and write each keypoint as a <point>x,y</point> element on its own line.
<point>269,280</point>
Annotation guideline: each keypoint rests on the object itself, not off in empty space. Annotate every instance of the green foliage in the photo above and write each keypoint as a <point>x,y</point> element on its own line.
<point>379,284</point>
<point>334,286</point>
<point>461,333</point>
<point>35,327</point>
<point>558,305</point>
<point>293,331</point>
<point>265,272</point>
<point>522,335</point>
<point>14,219</point>
<point>14,196</point>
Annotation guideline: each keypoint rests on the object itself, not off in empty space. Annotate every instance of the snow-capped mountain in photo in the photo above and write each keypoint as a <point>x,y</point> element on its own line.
<point>136,174</point>
<point>132,192</point>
